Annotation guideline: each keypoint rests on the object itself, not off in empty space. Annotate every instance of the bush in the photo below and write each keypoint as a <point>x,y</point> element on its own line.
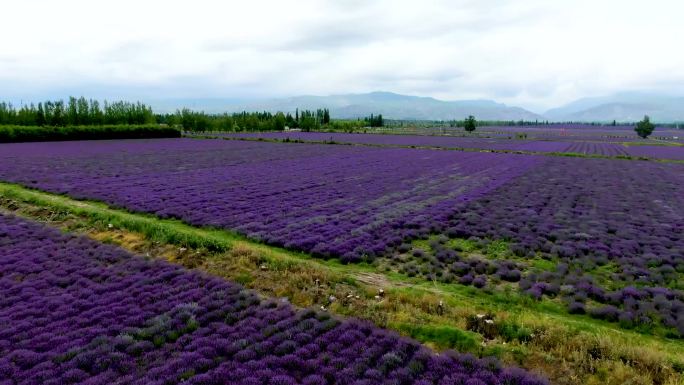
<point>644,128</point>
<point>511,275</point>
<point>608,313</point>
<point>10,134</point>
<point>576,308</point>
<point>480,281</point>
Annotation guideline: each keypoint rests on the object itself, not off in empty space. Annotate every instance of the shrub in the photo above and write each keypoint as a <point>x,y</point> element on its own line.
<point>48,134</point>
<point>607,313</point>
<point>480,281</point>
<point>576,308</point>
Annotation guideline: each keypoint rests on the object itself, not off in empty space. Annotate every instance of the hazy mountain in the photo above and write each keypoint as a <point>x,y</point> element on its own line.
<point>623,107</point>
<point>390,105</point>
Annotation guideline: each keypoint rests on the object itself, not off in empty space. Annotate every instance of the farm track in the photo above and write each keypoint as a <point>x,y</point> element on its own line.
<point>562,346</point>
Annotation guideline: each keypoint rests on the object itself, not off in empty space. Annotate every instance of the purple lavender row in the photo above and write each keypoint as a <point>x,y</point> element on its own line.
<point>658,152</point>
<point>76,311</point>
<point>614,149</point>
<point>411,140</point>
<point>353,202</point>
<point>585,215</point>
<point>598,148</point>
<point>359,202</point>
<point>592,146</point>
<point>580,131</point>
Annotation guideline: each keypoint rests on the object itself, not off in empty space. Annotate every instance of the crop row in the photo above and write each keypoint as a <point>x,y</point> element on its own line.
<point>412,140</point>
<point>657,152</point>
<point>598,226</point>
<point>598,148</point>
<point>584,216</point>
<point>579,131</point>
<point>581,145</point>
<point>75,311</point>
<point>333,201</point>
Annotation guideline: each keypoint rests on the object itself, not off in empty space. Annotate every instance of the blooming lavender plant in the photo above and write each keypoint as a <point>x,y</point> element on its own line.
<point>76,311</point>
<point>333,201</point>
<point>360,203</point>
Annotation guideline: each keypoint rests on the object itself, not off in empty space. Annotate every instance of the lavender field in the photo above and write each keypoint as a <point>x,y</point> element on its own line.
<point>556,131</point>
<point>601,235</point>
<point>582,131</point>
<point>448,192</point>
<point>117,318</point>
<point>609,252</point>
<point>333,201</point>
<point>604,145</point>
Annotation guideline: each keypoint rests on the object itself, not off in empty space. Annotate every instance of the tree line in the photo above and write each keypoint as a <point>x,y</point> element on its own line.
<point>375,120</point>
<point>200,121</point>
<point>91,112</point>
<point>76,112</point>
<point>305,120</point>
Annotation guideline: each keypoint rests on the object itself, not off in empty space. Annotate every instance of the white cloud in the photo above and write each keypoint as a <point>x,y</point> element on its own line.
<point>535,53</point>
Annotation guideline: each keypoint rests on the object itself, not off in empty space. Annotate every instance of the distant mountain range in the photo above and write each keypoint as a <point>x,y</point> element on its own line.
<point>625,107</point>
<point>395,106</point>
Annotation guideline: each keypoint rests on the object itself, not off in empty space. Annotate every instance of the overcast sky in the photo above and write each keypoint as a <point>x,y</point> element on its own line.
<point>532,53</point>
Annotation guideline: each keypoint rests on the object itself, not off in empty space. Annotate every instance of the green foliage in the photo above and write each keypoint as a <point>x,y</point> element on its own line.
<point>199,121</point>
<point>88,112</point>
<point>345,125</point>
<point>444,336</point>
<point>644,128</point>
<point>308,121</point>
<point>498,249</point>
<point>510,331</point>
<point>469,124</point>
<point>540,264</point>
<point>375,120</point>
<point>244,278</point>
<point>76,112</point>
<point>186,375</point>
<point>45,134</point>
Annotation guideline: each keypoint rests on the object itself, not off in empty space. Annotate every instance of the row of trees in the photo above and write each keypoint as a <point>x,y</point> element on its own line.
<point>375,120</point>
<point>76,112</point>
<point>89,112</point>
<point>246,121</point>
<point>306,120</point>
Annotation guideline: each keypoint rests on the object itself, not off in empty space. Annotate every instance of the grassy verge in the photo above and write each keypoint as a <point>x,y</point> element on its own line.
<point>569,349</point>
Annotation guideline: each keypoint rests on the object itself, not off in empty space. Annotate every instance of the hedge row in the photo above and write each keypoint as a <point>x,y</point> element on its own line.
<point>45,134</point>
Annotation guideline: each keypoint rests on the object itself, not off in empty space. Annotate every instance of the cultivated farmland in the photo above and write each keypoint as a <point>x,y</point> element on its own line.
<point>606,249</point>
<point>119,318</point>
<point>585,231</point>
<point>597,144</point>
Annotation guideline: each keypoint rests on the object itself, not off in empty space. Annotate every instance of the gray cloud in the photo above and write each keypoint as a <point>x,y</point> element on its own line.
<point>533,53</point>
